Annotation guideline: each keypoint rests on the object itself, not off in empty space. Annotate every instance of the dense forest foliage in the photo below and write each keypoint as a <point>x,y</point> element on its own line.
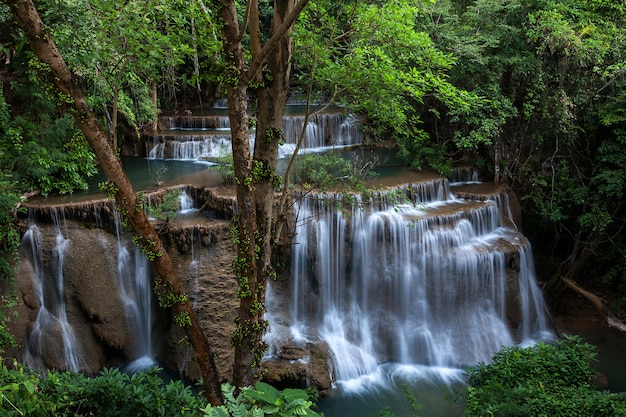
<point>532,92</point>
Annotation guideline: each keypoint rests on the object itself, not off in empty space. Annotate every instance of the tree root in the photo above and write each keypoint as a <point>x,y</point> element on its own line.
<point>598,303</point>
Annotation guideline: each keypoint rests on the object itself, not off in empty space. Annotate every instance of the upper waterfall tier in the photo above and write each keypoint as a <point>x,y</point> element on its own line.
<point>206,137</point>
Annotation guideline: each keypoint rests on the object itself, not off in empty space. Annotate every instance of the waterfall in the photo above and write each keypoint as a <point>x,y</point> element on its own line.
<point>534,321</point>
<point>133,274</point>
<point>464,175</point>
<point>323,130</point>
<point>415,281</point>
<point>204,138</point>
<point>52,334</point>
<point>189,147</point>
<point>186,203</point>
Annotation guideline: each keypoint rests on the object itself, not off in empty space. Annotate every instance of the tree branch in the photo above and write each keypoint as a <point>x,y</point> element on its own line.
<point>255,27</point>
<point>257,62</point>
<point>611,319</point>
<point>246,18</point>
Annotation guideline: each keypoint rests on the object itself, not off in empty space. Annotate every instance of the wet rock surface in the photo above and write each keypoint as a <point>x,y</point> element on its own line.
<point>301,366</point>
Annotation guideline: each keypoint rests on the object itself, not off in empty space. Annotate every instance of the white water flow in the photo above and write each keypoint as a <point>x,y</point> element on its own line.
<point>52,336</point>
<point>323,130</point>
<point>190,147</point>
<point>189,138</point>
<point>186,203</point>
<point>413,279</point>
<point>133,274</point>
<point>194,272</point>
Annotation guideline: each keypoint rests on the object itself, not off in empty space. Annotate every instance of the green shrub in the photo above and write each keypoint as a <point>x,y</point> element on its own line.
<point>262,400</point>
<point>225,167</point>
<point>19,394</point>
<point>166,208</point>
<point>112,393</point>
<point>542,380</point>
<point>331,170</point>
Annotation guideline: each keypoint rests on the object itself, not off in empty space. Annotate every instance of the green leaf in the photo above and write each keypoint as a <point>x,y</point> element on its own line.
<point>291,394</point>
<point>30,387</point>
<point>265,393</point>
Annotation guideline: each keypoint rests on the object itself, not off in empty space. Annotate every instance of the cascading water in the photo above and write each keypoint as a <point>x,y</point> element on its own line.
<point>205,138</point>
<point>421,283</point>
<point>190,147</point>
<point>133,274</point>
<point>52,334</point>
<point>323,130</point>
<point>186,203</point>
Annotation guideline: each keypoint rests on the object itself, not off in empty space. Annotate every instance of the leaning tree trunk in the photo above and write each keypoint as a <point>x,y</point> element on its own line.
<point>170,290</point>
<point>581,255</point>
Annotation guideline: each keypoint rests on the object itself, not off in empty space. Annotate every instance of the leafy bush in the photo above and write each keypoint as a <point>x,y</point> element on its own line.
<point>9,244</point>
<point>112,393</point>
<point>226,168</point>
<point>331,170</point>
<point>420,152</point>
<point>541,380</point>
<point>167,208</point>
<point>262,400</point>
<point>40,146</point>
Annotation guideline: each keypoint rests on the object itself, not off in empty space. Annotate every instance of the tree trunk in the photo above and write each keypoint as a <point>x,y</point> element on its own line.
<point>114,114</point>
<point>247,352</point>
<point>272,99</point>
<point>71,92</point>
<point>255,179</point>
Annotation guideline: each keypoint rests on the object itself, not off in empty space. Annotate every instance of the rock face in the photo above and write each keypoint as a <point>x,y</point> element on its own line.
<point>92,302</point>
<point>203,252</point>
<point>94,307</point>
<point>96,310</point>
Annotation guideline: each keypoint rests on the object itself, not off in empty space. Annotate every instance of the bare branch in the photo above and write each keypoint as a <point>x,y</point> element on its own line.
<point>611,319</point>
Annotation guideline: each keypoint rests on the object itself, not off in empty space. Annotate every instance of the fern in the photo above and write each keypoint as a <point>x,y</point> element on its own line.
<point>238,409</point>
<point>258,412</point>
<point>229,393</point>
<point>211,411</point>
<point>260,401</point>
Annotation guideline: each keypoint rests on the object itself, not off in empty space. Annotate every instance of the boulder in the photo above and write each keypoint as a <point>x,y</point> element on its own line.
<point>302,366</point>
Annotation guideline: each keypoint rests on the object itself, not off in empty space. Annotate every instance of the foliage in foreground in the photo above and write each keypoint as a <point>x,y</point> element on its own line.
<point>112,393</point>
<point>541,380</point>
<point>262,400</point>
